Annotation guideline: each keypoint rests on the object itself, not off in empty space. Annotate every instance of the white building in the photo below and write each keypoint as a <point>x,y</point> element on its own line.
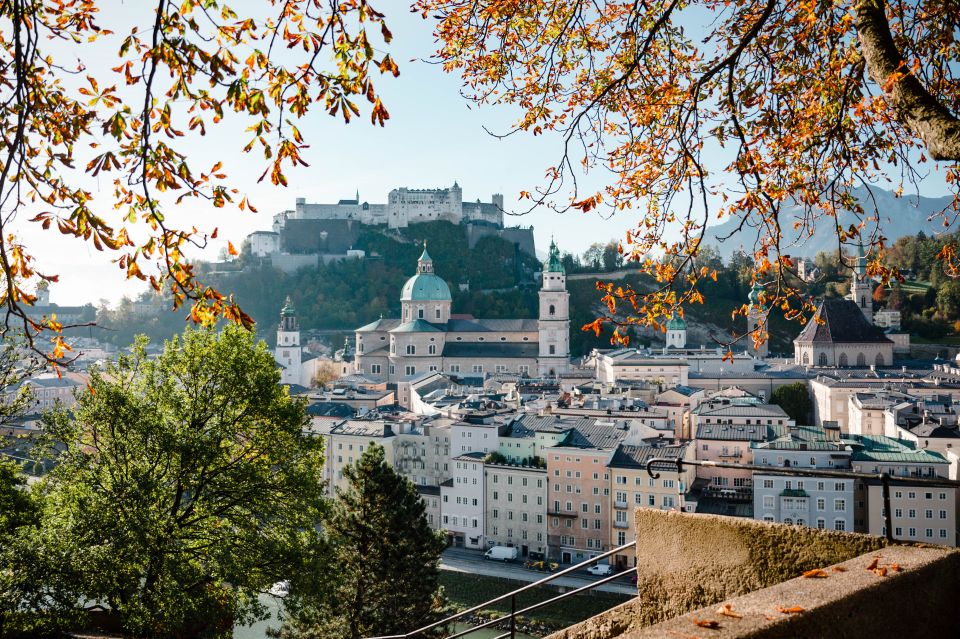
<point>297,367</point>
<point>516,507</point>
<point>816,502</point>
<point>462,502</point>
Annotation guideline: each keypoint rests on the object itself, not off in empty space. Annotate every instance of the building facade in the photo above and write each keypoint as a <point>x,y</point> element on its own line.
<point>516,507</point>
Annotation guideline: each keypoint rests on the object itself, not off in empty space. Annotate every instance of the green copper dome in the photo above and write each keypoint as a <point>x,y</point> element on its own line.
<point>425,286</point>
<point>287,309</point>
<point>676,324</point>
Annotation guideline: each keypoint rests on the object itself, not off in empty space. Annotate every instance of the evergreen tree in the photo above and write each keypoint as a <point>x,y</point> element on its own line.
<point>794,399</point>
<point>379,563</point>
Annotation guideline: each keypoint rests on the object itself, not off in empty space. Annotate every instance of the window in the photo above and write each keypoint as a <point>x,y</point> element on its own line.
<point>432,349</point>
<point>411,349</point>
<point>438,312</point>
<point>928,514</point>
<point>768,501</point>
<point>821,524</point>
<point>839,505</point>
<point>823,359</point>
<point>928,533</point>
<point>478,368</point>
<point>913,532</point>
<point>839,486</point>
<point>821,504</point>
<point>943,514</point>
<point>839,524</point>
<point>410,370</point>
<point>552,310</point>
<point>553,349</point>
<point>768,483</point>
<point>943,533</point>
<point>651,500</point>
<point>455,368</point>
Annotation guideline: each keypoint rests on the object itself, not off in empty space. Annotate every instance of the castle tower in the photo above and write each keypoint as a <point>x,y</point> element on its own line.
<point>554,322</point>
<point>288,352</point>
<point>756,315</point>
<point>676,333</point>
<point>860,291</point>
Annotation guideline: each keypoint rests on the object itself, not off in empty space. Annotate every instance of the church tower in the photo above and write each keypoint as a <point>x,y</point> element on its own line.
<point>860,286</point>
<point>287,352</point>
<point>676,332</point>
<point>755,322</point>
<point>554,322</point>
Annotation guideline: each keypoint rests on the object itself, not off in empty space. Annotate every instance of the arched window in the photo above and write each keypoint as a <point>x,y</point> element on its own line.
<point>788,521</point>
<point>861,360</point>
<point>806,359</point>
<point>823,359</point>
<point>878,360</point>
<point>553,310</point>
<point>432,349</point>
<point>842,362</point>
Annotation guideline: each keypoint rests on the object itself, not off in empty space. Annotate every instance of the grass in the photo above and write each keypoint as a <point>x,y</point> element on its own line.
<point>466,590</point>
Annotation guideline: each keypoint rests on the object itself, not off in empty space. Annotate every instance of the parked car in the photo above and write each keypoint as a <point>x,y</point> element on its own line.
<point>601,570</point>
<point>501,553</point>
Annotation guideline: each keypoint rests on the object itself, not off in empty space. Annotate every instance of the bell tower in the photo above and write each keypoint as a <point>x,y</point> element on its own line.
<point>288,352</point>
<point>860,286</point>
<point>554,323</point>
<point>756,322</point>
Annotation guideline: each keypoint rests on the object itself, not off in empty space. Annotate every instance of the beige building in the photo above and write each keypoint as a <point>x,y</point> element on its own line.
<point>628,364</point>
<point>840,335</point>
<point>516,507</point>
<point>427,338</point>
<point>347,441</point>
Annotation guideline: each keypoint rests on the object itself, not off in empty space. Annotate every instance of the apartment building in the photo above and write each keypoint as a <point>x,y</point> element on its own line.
<point>724,432</point>
<point>462,502</point>
<point>578,515</point>
<point>475,433</point>
<point>347,441</point>
<point>515,505</point>
<point>920,513</point>
<point>817,502</point>
<point>632,487</point>
<point>629,364</point>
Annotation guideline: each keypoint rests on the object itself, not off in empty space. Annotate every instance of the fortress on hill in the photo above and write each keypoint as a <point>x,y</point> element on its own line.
<point>311,232</point>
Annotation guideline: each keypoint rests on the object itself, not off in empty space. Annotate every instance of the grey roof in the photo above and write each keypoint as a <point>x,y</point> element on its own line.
<point>636,456</point>
<point>503,350</point>
<point>593,436</point>
<point>770,411</point>
<point>529,425</point>
<point>491,325</point>
<point>363,428</point>
<point>416,326</point>
<point>935,430</point>
<point>330,409</point>
<point>380,325</point>
<point>744,433</point>
<point>841,322</point>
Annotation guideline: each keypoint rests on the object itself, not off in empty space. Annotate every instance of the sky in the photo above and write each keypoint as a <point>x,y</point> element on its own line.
<point>433,138</point>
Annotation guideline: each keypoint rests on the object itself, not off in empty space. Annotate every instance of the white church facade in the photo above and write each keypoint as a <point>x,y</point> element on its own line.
<point>427,337</point>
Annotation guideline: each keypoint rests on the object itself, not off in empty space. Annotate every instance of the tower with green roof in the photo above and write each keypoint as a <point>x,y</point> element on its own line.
<point>756,318</point>
<point>860,291</point>
<point>554,322</point>
<point>676,332</point>
<point>288,352</point>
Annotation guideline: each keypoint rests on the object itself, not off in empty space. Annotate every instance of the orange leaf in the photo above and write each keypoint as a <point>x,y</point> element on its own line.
<point>707,623</point>
<point>792,610</point>
<point>816,573</point>
<point>727,611</point>
<point>839,569</point>
<point>230,249</point>
<point>874,563</point>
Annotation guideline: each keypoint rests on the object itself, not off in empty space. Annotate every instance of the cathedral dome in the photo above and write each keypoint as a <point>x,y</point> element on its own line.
<point>676,324</point>
<point>425,286</point>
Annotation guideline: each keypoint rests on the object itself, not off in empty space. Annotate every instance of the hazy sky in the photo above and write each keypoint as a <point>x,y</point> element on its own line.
<point>433,138</point>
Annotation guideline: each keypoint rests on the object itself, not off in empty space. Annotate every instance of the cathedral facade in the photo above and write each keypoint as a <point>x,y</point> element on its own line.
<point>428,337</point>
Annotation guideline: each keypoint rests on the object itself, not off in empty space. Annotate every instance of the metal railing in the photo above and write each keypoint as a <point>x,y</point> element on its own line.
<point>511,618</point>
<point>677,465</point>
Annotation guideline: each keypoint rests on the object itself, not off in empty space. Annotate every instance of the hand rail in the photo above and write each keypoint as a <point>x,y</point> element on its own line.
<point>512,596</point>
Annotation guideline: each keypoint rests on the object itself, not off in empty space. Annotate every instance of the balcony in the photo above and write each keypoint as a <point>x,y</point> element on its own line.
<point>622,505</point>
<point>621,524</point>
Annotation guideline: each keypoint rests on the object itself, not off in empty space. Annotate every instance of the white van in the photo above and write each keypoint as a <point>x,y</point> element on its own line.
<point>501,553</point>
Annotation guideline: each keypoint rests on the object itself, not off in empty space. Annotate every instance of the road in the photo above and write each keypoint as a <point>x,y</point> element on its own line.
<point>472,561</point>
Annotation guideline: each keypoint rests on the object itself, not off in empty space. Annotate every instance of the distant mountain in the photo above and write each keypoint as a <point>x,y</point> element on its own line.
<point>906,215</point>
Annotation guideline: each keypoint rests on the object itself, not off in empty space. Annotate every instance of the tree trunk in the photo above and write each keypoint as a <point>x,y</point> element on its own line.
<point>912,104</point>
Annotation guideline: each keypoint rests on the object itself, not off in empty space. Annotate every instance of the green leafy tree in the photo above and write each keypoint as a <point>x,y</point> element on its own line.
<point>382,556</point>
<point>186,485</point>
<point>794,399</point>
